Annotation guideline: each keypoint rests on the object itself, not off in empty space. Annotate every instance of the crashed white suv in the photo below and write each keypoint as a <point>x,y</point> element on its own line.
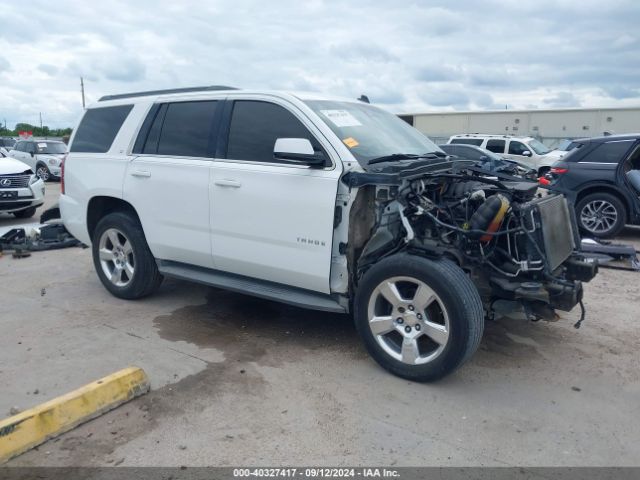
<point>21,192</point>
<point>328,204</point>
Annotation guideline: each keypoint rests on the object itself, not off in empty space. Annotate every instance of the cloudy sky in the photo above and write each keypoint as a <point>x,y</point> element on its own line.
<point>406,56</point>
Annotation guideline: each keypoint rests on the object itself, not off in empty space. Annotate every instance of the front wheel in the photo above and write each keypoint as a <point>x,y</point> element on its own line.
<point>122,258</point>
<point>43,173</point>
<point>419,318</point>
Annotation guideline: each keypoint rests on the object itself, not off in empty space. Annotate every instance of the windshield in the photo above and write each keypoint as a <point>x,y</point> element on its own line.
<point>51,147</point>
<point>370,132</point>
<point>538,147</point>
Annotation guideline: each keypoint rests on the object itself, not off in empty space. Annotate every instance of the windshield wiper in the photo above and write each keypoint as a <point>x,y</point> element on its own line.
<point>393,156</point>
<point>405,156</point>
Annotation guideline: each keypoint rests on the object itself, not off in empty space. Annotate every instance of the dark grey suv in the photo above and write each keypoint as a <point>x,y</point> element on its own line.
<point>603,174</point>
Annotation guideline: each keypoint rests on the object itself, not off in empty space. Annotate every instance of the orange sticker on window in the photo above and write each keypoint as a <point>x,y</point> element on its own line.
<point>350,142</point>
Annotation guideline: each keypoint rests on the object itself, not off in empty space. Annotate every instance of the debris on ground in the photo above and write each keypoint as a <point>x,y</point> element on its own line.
<point>605,252</point>
<point>46,237</point>
<point>52,213</point>
<point>14,411</point>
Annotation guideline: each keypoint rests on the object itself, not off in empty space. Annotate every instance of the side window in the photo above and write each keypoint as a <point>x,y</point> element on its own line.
<point>98,128</point>
<point>468,141</point>
<point>256,125</point>
<point>496,146</point>
<point>30,147</point>
<point>516,148</point>
<point>610,152</point>
<point>187,130</point>
<point>19,147</point>
<point>633,163</point>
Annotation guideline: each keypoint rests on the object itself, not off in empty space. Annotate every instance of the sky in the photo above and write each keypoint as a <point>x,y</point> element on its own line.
<point>406,56</point>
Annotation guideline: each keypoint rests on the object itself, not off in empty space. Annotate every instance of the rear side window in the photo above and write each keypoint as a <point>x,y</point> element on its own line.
<point>255,126</point>
<point>468,141</point>
<point>182,129</point>
<point>495,146</point>
<point>187,129</point>
<point>98,129</point>
<point>610,152</point>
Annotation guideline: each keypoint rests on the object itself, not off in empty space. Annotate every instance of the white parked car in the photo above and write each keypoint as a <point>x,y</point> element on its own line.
<point>43,156</point>
<point>328,204</point>
<point>21,192</point>
<point>527,150</point>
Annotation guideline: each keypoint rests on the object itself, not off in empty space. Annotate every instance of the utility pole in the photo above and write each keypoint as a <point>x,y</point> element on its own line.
<point>82,90</point>
<point>40,120</point>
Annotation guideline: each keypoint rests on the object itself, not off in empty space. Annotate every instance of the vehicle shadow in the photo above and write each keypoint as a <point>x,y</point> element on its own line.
<point>248,328</point>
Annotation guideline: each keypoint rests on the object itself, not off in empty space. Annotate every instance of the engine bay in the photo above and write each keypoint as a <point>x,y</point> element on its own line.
<point>519,246</point>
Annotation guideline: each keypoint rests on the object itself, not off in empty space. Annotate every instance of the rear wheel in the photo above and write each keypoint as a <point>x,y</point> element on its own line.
<point>601,214</point>
<point>420,319</point>
<point>122,258</point>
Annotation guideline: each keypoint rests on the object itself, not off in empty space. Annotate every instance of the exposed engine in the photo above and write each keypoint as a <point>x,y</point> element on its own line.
<point>519,248</point>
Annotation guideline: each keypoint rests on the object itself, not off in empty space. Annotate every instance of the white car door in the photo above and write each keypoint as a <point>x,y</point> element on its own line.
<point>168,183</point>
<point>20,153</point>
<point>272,221</point>
<point>515,150</point>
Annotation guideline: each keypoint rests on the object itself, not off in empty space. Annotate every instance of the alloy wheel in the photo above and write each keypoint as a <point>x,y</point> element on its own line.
<point>408,320</point>
<point>598,216</point>
<point>116,257</point>
<point>42,173</point>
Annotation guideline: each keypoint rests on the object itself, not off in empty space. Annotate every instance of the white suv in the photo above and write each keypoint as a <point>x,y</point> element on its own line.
<point>328,204</point>
<point>526,150</point>
<point>21,192</point>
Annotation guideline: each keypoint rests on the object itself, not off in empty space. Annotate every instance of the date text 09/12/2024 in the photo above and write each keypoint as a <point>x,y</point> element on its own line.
<point>316,472</point>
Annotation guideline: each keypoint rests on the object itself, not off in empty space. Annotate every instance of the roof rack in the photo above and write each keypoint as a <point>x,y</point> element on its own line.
<point>165,92</point>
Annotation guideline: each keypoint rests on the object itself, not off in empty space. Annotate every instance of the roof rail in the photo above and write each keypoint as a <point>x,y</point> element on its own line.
<point>165,92</point>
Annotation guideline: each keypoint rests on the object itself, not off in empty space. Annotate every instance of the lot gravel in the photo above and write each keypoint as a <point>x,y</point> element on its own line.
<point>242,381</point>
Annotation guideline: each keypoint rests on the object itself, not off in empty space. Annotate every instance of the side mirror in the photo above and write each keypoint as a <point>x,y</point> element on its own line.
<point>526,153</point>
<point>299,151</point>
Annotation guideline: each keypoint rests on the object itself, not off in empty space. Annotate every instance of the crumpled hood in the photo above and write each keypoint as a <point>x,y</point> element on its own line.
<point>395,166</point>
<point>11,166</point>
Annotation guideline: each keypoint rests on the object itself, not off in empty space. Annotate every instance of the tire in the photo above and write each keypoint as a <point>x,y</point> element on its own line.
<point>27,213</point>
<point>42,172</point>
<point>449,309</point>
<point>601,214</point>
<point>122,259</point>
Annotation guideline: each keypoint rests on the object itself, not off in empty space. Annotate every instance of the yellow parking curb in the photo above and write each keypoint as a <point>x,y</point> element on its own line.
<point>37,425</point>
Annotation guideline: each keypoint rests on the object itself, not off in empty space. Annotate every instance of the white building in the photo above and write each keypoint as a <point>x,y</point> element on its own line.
<point>548,125</point>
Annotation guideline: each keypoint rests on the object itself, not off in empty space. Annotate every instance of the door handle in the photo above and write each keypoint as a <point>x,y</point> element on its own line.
<point>228,183</point>
<point>141,173</point>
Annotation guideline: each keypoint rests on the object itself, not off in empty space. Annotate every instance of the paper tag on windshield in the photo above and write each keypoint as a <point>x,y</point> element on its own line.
<point>350,142</point>
<point>42,145</point>
<point>341,118</point>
